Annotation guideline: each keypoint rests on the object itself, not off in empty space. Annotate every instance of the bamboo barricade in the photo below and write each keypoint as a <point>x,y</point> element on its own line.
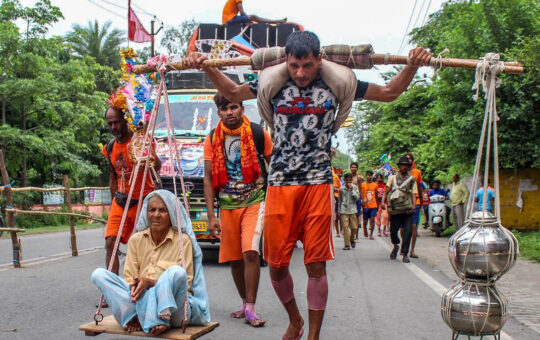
<point>512,67</point>
<point>39,212</point>
<point>11,212</point>
<point>37,189</point>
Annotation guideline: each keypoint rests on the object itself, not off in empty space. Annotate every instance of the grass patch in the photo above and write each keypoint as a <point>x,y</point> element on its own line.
<point>449,231</point>
<point>529,244</point>
<point>55,228</point>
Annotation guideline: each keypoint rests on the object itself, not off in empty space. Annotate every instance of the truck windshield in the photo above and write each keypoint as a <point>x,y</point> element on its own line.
<point>196,114</point>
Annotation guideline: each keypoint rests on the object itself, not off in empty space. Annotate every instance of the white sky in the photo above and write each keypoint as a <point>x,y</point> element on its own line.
<point>381,23</point>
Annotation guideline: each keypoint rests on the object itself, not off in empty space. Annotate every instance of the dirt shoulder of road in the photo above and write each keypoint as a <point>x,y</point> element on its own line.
<point>519,285</point>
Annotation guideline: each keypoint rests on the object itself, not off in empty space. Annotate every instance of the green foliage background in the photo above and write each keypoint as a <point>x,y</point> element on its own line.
<point>53,98</point>
<point>437,119</point>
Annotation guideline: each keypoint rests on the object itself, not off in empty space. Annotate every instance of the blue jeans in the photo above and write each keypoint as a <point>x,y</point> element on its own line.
<point>170,291</point>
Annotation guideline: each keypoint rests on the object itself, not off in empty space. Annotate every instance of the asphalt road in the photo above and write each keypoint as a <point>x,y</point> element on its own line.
<point>371,297</point>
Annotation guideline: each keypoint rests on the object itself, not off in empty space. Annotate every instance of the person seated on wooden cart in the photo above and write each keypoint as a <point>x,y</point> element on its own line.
<point>152,293</point>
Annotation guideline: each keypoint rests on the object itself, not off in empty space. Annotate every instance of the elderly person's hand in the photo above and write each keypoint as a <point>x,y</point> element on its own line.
<point>194,61</point>
<point>139,287</point>
<point>419,56</point>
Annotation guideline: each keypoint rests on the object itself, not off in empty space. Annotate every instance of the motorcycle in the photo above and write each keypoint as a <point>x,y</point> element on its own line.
<point>437,215</point>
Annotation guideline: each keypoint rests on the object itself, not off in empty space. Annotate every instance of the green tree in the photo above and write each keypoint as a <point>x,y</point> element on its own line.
<point>52,108</point>
<point>176,38</point>
<point>102,43</point>
<point>437,119</point>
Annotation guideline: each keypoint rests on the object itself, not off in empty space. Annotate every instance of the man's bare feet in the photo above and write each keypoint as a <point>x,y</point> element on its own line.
<point>294,329</point>
<point>133,325</point>
<point>159,329</point>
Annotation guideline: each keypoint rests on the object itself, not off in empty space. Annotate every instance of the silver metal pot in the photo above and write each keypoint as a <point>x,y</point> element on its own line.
<point>482,250</point>
<point>473,309</point>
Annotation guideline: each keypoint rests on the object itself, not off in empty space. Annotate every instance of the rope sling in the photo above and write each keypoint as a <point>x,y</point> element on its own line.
<point>487,78</point>
<point>160,63</point>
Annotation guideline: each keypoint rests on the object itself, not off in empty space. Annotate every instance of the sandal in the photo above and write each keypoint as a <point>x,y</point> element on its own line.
<point>253,319</point>
<point>393,254</point>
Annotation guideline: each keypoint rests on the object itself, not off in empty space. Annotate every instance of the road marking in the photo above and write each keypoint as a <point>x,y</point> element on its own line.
<point>426,278</point>
<point>40,260</point>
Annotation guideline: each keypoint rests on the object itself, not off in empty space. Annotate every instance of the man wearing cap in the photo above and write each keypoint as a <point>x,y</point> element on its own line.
<point>400,198</point>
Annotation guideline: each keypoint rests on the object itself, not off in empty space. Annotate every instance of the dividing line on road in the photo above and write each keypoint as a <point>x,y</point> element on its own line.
<point>40,260</point>
<point>426,278</point>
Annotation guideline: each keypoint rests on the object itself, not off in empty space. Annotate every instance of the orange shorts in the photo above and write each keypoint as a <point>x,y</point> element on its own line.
<point>298,212</point>
<point>115,217</point>
<point>241,231</point>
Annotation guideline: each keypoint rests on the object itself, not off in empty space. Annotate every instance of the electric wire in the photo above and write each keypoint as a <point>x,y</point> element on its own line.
<point>426,14</point>
<point>419,14</point>
<point>407,29</point>
<point>108,10</point>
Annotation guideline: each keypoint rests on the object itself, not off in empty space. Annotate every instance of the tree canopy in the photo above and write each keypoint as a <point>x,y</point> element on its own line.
<point>437,119</point>
<point>52,109</point>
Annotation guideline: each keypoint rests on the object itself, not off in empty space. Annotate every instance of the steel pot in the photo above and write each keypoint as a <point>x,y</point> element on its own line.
<point>482,250</point>
<point>474,309</point>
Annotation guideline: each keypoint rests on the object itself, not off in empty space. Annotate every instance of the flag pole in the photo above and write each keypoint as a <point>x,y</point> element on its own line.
<point>127,32</point>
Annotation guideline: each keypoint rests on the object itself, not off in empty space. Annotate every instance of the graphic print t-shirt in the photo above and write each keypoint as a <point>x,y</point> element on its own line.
<point>303,122</point>
<point>369,190</point>
<point>236,194</point>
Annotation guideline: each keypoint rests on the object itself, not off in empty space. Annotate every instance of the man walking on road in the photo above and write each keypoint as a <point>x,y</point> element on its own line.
<point>357,181</point>
<point>458,196</point>
<point>400,197</point>
<point>121,168</point>
<point>417,174</point>
<point>369,204</point>
<point>348,195</point>
<point>234,168</point>
<point>299,198</point>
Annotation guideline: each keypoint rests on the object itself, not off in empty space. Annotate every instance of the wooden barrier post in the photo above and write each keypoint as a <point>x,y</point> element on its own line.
<point>74,251</point>
<point>15,242</point>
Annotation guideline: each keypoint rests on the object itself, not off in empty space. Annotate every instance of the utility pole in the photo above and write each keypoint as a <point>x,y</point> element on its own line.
<point>152,33</point>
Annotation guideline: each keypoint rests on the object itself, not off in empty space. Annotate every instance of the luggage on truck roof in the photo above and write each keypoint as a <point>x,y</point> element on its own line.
<point>258,35</point>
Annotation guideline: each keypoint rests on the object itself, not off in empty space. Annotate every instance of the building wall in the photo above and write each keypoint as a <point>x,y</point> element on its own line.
<point>520,198</point>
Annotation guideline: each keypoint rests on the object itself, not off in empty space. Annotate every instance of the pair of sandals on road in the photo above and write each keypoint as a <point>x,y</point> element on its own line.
<point>353,244</point>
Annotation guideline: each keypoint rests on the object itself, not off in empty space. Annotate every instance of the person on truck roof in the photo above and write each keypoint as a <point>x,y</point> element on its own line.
<point>233,12</point>
<point>235,153</point>
<point>304,114</point>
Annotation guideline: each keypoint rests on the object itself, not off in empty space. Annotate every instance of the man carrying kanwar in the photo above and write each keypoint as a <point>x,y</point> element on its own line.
<point>235,157</point>
<point>299,100</point>
<point>121,167</point>
<point>233,12</point>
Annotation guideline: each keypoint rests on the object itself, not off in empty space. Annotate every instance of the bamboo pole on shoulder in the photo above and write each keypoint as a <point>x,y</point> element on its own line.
<point>73,238</point>
<point>15,241</point>
<point>512,67</point>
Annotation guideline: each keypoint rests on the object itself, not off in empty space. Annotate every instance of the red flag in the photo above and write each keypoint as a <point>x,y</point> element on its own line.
<point>136,31</point>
